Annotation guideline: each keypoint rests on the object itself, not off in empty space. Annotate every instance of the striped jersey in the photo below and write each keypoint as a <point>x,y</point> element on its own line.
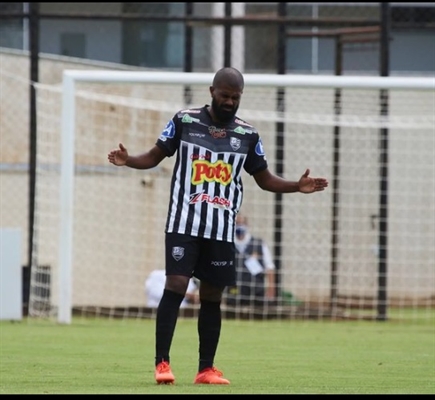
<point>206,188</point>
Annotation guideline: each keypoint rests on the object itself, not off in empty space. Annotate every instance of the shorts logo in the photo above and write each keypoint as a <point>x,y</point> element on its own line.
<point>177,253</point>
<point>219,263</point>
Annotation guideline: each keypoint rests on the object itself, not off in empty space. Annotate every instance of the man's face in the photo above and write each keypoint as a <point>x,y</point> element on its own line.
<point>225,103</point>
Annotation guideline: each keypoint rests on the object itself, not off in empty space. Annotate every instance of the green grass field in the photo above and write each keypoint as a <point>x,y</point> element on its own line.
<point>275,357</point>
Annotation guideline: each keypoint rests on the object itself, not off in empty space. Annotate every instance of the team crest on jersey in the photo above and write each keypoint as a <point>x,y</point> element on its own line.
<point>235,143</point>
<point>177,253</point>
<point>168,132</point>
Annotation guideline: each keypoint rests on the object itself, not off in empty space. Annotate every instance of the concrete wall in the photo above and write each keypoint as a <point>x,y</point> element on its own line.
<point>118,231</point>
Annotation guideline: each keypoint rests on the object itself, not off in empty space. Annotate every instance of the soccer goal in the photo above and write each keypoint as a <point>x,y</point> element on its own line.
<point>364,248</point>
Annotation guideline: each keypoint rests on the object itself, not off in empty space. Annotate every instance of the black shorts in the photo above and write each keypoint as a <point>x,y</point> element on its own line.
<point>212,261</point>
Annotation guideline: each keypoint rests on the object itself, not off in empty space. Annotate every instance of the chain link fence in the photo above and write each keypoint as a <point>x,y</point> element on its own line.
<point>38,41</point>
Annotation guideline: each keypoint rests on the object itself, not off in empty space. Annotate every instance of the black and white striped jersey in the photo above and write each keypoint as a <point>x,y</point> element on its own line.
<point>206,188</point>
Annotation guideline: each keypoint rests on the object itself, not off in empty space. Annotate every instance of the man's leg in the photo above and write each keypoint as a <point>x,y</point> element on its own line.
<point>216,270</point>
<point>181,252</point>
<point>209,329</point>
<point>166,320</point>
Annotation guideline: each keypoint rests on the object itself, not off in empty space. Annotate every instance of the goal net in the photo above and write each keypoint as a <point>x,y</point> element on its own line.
<point>363,248</point>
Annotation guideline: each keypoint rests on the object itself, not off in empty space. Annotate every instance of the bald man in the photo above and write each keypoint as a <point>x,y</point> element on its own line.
<point>213,146</point>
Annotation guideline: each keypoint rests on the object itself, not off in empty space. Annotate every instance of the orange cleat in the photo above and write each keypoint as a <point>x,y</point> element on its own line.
<point>211,376</point>
<point>163,374</point>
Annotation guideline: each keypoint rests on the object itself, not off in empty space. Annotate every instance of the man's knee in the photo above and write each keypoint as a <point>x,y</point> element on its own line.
<point>177,283</point>
<point>210,293</point>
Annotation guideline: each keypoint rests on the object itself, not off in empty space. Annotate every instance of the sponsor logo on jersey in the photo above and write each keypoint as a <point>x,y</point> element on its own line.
<point>197,134</point>
<point>235,143</point>
<point>200,156</point>
<point>168,132</point>
<point>177,253</point>
<point>240,130</point>
<point>240,122</point>
<point>205,171</point>
<point>259,148</point>
<point>190,111</point>
<point>217,133</point>
<point>187,119</point>
<point>216,201</point>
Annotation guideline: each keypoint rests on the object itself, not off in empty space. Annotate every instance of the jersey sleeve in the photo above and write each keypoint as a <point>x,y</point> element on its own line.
<point>169,139</point>
<point>256,158</point>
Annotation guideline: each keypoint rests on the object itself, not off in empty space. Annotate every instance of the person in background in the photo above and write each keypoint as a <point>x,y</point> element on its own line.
<point>155,285</point>
<point>254,267</point>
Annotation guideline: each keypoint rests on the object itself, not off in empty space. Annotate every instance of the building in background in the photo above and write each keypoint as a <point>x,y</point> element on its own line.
<point>159,43</point>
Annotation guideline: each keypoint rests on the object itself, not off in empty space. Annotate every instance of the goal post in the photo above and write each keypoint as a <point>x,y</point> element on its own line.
<point>95,110</point>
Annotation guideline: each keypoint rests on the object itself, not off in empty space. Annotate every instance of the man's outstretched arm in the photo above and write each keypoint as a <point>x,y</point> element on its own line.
<point>273,183</point>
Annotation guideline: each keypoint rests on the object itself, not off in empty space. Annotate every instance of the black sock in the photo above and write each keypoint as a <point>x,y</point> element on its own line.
<point>166,319</point>
<point>209,329</point>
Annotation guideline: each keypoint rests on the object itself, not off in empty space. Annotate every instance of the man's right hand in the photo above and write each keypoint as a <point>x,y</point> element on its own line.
<point>118,156</point>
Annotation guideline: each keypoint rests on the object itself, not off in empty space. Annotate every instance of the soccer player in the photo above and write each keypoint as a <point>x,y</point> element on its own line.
<point>212,147</point>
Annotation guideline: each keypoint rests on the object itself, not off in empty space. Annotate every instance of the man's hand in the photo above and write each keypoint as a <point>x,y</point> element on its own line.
<point>118,156</point>
<point>310,185</point>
